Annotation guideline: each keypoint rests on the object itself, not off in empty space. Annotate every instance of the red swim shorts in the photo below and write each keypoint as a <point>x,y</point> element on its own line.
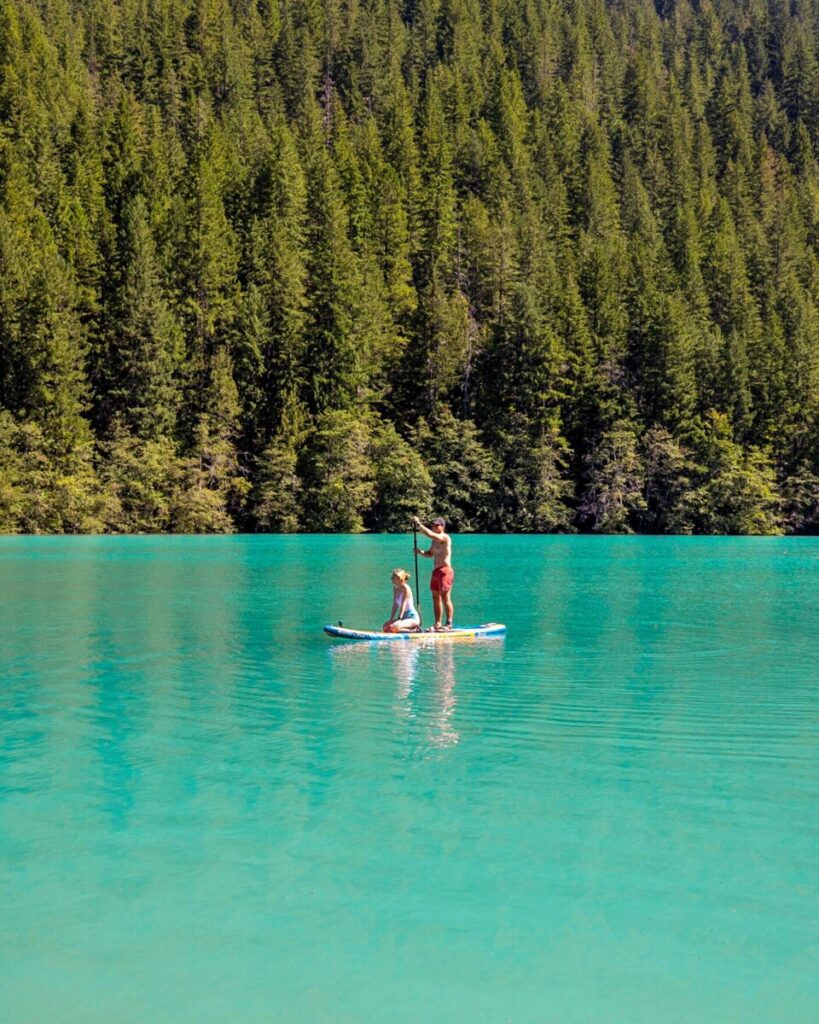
<point>442,579</point>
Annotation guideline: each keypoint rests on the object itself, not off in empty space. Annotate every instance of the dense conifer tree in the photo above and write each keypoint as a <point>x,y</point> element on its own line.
<point>145,344</point>
<point>283,266</point>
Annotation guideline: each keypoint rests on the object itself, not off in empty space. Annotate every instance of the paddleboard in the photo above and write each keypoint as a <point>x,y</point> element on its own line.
<point>488,629</point>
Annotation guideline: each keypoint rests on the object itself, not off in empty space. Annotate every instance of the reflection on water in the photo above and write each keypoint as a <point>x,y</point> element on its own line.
<point>422,677</point>
<point>609,816</point>
<point>443,733</point>
<point>405,666</point>
<point>439,669</point>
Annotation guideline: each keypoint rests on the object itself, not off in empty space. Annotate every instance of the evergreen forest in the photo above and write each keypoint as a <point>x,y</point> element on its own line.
<point>317,265</point>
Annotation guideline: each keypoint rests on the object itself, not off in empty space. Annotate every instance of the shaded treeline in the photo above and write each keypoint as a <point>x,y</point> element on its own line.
<point>314,265</point>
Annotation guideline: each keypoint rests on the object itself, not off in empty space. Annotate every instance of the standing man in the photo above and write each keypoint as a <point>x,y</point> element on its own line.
<point>443,574</point>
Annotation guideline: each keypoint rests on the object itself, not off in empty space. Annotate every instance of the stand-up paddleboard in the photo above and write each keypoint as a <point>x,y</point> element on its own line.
<point>488,629</point>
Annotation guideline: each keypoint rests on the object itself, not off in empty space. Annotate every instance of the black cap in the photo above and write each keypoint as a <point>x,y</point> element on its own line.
<point>439,521</point>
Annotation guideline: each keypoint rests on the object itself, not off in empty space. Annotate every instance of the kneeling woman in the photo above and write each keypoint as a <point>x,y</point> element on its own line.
<point>403,618</point>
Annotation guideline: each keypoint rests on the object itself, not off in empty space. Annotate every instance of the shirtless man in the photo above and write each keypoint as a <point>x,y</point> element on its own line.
<point>443,574</point>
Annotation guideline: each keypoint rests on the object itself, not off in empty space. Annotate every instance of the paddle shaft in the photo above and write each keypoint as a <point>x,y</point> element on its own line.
<point>415,552</point>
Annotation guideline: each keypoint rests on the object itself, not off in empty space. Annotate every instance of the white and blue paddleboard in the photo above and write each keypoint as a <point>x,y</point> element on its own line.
<point>488,629</point>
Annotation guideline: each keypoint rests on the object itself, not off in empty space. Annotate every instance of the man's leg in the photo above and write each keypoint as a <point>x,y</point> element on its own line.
<point>437,607</point>
<point>450,612</point>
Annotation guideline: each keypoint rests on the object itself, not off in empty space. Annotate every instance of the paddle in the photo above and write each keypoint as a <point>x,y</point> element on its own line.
<point>415,552</point>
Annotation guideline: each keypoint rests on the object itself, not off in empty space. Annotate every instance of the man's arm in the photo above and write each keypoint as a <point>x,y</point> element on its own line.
<point>424,529</point>
<point>427,532</point>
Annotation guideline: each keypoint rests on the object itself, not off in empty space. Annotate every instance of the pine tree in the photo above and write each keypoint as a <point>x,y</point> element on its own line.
<point>205,257</point>
<point>614,495</point>
<point>337,474</point>
<point>276,499</point>
<point>464,472</point>
<point>145,345</point>
<point>216,488</point>
<point>737,492</point>
<point>403,485</point>
<point>577,240</point>
<point>333,360</point>
<point>142,479</point>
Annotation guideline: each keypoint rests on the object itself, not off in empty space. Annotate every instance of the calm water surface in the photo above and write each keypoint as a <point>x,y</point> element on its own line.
<point>210,812</point>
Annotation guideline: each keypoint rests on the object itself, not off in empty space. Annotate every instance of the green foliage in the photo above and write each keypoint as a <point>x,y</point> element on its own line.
<point>738,492</point>
<point>215,488</point>
<point>43,489</point>
<point>199,509</point>
<point>276,506</point>
<point>801,502</point>
<point>534,492</point>
<point>464,472</point>
<point>145,340</point>
<point>287,266</point>
<point>669,472</point>
<point>616,481</point>
<point>337,474</point>
<point>142,480</point>
<point>403,485</point>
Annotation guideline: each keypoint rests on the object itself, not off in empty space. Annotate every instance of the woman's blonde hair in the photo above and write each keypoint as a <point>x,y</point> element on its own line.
<point>402,575</point>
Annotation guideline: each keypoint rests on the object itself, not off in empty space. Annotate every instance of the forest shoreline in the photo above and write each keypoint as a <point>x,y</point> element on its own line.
<point>289,266</point>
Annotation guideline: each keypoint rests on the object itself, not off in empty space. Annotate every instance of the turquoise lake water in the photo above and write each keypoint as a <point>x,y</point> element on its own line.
<point>209,812</point>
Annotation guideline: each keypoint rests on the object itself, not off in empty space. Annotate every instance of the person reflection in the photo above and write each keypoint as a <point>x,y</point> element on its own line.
<point>433,706</point>
<point>442,731</point>
<point>405,667</point>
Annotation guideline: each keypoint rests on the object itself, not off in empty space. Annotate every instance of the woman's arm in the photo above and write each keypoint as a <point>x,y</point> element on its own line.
<point>393,615</point>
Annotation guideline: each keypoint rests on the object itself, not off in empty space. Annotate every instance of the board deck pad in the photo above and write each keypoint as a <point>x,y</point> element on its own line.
<point>488,629</point>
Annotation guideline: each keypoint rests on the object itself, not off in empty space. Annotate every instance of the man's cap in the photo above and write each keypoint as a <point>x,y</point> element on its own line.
<point>439,521</point>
